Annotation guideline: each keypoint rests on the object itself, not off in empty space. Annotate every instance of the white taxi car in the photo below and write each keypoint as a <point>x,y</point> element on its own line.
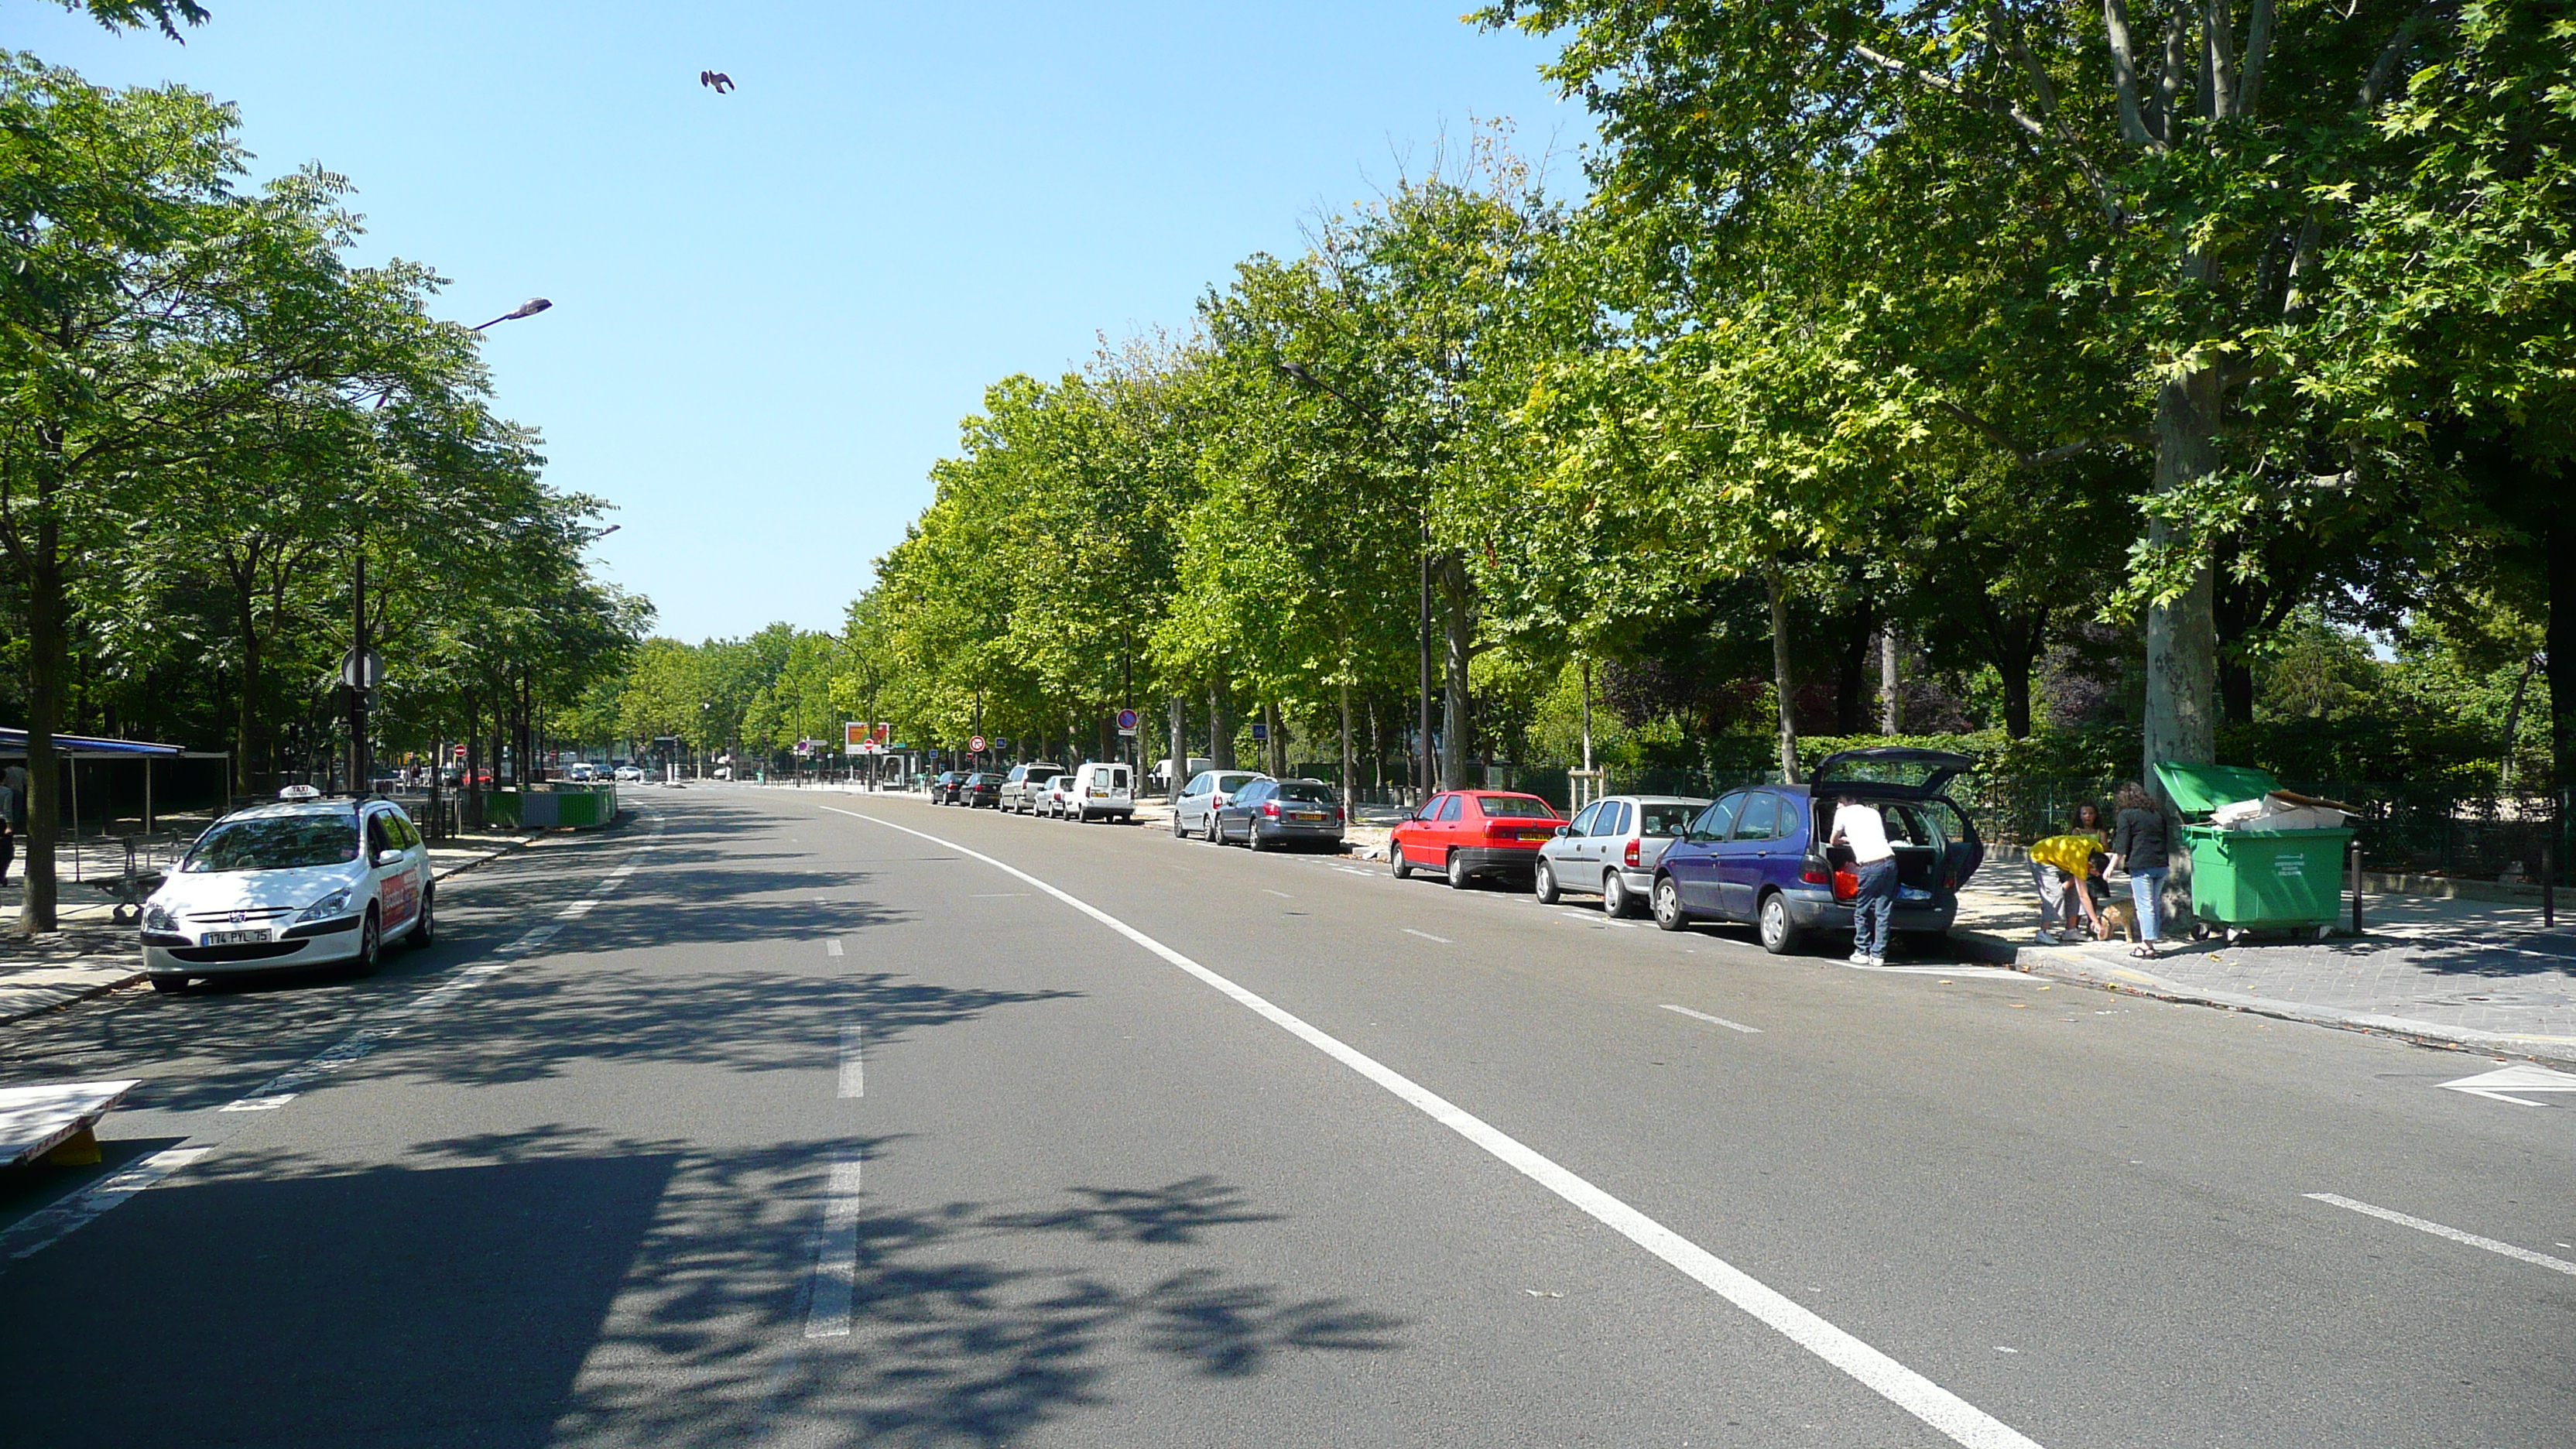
<point>302,882</point>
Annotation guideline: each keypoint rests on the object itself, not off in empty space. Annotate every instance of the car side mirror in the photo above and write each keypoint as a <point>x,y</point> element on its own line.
<point>1564,830</point>
<point>390,855</point>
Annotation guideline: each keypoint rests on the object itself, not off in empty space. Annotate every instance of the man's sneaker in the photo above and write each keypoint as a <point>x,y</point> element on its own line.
<point>1862,958</point>
<point>2047,937</point>
<point>1876,961</point>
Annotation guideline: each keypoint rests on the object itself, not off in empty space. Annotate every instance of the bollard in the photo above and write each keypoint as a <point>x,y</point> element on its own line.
<point>2548,888</point>
<point>2356,887</point>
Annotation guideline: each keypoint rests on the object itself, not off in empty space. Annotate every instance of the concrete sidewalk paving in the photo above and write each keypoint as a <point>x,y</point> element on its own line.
<point>2481,975</point>
<point>90,953</point>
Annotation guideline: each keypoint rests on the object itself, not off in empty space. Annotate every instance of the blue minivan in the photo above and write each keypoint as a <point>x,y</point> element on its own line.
<point>1760,854</point>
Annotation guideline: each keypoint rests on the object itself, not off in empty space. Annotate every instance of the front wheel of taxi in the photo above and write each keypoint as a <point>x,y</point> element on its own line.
<point>371,946</point>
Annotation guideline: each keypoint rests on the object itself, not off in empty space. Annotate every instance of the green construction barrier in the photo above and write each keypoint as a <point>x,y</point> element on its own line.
<point>579,807</point>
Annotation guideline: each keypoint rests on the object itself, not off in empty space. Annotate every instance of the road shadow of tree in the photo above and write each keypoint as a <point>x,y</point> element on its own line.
<point>970,1322</point>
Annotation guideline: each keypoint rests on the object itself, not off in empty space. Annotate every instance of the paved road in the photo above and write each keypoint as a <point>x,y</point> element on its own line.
<point>832,1122</point>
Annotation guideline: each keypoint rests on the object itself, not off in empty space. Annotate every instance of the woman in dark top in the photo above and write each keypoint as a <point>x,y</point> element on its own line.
<point>2138,843</point>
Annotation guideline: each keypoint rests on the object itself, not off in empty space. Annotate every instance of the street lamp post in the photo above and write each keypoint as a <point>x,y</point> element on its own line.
<point>362,673</point>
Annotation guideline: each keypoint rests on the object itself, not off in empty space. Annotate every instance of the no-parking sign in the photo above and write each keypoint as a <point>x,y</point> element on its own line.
<point>975,746</point>
<point>1126,721</point>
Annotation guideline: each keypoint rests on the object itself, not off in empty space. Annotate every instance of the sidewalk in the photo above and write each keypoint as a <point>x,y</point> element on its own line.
<point>2482,975</point>
<point>89,953</point>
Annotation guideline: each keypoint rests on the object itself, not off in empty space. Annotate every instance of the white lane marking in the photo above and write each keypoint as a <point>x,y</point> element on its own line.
<point>2519,1077</point>
<point>836,1252</point>
<point>1426,935</point>
<point>1283,895</point>
<point>268,1103</point>
<point>832,947</point>
<point>1719,1020</point>
<point>1355,870</point>
<point>38,1231</point>
<point>577,910</point>
<point>1963,1422</point>
<point>2422,1225</point>
<point>854,1070</point>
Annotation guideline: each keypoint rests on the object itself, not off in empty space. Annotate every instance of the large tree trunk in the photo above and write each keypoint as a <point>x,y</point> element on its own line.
<point>1851,672</point>
<point>2559,567</point>
<point>1454,724</point>
<point>1350,796</point>
<point>246,721</point>
<point>1180,747</point>
<point>1220,730</point>
<point>1780,673</point>
<point>1891,704</point>
<point>2182,635</point>
<point>45,648</point>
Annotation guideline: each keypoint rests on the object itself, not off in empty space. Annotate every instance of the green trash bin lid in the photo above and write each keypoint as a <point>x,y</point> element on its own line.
<point>2199,789</point>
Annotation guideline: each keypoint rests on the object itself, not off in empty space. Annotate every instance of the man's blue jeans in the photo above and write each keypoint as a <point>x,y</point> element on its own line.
<point>1873,907</point>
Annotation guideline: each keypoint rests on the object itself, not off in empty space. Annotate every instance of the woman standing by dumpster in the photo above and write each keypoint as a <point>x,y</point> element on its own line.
<point>2138,844</point>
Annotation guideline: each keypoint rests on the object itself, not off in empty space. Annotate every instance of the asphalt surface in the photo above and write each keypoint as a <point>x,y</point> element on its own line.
<point>815,1131</point>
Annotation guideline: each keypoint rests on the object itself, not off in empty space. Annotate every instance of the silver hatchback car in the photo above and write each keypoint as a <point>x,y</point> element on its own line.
<point>1611,847</point>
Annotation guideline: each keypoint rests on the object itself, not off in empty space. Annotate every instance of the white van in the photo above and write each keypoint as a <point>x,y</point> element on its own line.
<point>1106,791</point>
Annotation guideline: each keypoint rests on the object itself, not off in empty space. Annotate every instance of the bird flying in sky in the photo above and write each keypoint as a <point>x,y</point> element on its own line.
<point>716,80</point>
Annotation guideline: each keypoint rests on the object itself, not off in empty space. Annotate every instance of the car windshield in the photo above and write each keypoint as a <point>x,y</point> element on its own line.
<point>1662,820</point>
<point>1515,807</point>
<point>287,842</point>
<point>1302,790</point>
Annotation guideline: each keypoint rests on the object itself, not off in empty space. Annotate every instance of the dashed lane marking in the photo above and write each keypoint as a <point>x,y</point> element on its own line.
<point>1426,935</point>
<point>836,1251</point>
<point>1719,1020</point>
<point>1964,1423</point>
<point>2426,1225</point>
<point>832,947</point>
<point>854,1068</point>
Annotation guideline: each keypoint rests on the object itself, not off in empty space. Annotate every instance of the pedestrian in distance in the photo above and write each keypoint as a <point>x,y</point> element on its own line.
<point>2140,847</point>
<point>15,778</point>
<point>1860,827</point>
<point>2088,821</point>
<point>2061,868</point>
<point>8,831</point>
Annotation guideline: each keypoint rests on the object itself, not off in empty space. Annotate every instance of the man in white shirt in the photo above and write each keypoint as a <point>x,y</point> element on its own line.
<point>1862,828</point>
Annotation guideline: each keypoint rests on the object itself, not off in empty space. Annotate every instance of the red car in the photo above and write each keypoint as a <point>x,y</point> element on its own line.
<point>1468,833</point>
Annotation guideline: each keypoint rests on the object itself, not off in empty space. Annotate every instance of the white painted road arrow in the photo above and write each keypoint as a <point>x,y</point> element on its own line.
<point>2520,1077</point>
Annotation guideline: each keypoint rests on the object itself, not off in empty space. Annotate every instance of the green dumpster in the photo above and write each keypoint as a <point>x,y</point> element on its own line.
<point>2254,880</point>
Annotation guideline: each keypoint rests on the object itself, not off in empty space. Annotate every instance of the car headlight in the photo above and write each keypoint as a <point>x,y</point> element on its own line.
<point>158,918</point>
<point>330,905</point>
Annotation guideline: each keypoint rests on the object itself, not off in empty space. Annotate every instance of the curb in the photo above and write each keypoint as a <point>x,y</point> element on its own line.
<point>77,997</point>
<point>1995,950</point>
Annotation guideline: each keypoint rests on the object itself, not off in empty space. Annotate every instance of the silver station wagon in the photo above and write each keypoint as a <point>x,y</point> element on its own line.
<point>1611,847</point>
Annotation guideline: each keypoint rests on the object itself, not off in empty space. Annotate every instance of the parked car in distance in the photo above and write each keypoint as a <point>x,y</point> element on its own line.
<point>1464,834</point>
<point>1053,796</point>
<point>1612,846</point>
<point>981,790</point>
<point>1104,791</point>
<point>1763,855</point>
<point>944,786</point>
<point>1269,813</point>
<point>629,775</point>
<point>1159,779</point>
<point>1023,783</point>
<point>1207,793</point>
<point>301,882</point>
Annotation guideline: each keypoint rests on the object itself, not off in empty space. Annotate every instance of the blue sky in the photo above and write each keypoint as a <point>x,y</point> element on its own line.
<point>773,307</point>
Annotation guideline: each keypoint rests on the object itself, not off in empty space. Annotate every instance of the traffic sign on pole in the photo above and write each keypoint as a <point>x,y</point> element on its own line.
<point>1127,721</point>
<point>975,746</point>
<point>1260,730</point>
